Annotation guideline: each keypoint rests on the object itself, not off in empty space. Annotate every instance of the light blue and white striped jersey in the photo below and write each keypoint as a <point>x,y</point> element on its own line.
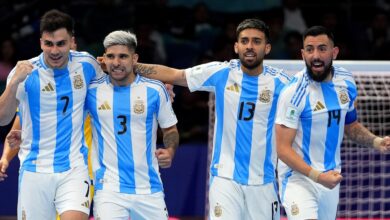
<point>245,106</point>
<point>319,112</point>
<point>51,104</point>
<point>124,125</point>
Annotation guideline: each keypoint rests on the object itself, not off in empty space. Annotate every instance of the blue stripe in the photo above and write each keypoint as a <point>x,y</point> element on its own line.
<point>152,98</point>
<point>158,83</point>
<point>64,120</point>
<point>244,128</point>
<point>284,183</point>
<point>306,121</point>
<point>332,133</point>
<point>302,93</point>
<point>220,79</point>
<point>121,121</point>
<point>92,106</point>
<point>90,73</point>
<point>352,92</point>
<point>32,85</point>
<point>269,169</point>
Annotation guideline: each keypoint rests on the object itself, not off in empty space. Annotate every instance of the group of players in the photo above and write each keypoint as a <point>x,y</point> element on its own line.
<point>261,114</point>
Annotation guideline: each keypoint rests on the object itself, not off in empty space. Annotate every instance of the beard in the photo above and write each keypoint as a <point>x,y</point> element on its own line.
<point>320,76</point>
<point>250,65</point>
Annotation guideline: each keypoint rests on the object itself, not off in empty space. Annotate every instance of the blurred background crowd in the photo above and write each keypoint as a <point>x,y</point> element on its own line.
<point>183,33</point>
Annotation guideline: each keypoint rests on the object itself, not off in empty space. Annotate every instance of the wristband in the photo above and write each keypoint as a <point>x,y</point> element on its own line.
<point>314,174</point>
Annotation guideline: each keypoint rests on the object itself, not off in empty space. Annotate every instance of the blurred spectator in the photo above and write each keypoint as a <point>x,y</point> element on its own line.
<point>7,60</point>
<point>277,30</point>
<point>293,18</point>
<point>293,42</point>
<point>377,37</point>
<point>151,48</point>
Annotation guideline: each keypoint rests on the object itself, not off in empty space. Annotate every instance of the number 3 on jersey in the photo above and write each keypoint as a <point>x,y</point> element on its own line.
<point>122,122</point>
<point>247,111</point>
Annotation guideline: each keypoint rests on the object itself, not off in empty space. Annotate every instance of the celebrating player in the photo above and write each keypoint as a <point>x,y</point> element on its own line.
<point>313,113</point>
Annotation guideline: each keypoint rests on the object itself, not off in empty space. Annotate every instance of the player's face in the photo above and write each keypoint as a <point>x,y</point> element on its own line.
<point>251,48</point>
<point>318,53</point>
<point>55,46</point>
<point>120,62</point>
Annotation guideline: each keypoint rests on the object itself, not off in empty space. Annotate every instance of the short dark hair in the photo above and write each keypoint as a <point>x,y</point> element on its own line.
<point>253,23</point>
<point>53,20</point>
<point>318,30</point>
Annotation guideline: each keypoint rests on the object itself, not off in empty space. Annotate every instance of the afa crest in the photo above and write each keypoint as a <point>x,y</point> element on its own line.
<point>343,96</point>
<point>139,107</point>
<point>78,82</point>
<point>265,96</point>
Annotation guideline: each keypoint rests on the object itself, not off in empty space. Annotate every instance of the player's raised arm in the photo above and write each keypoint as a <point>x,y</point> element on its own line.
<point>8,101</point>
<point>162,73</point>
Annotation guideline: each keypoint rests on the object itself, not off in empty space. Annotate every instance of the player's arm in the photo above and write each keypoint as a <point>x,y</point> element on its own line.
<point>10,152</point>
<point>8,101</point>
<point>361,135</point>
<point>171,142</point>
<point>162,73</point>
<point>284,139</point>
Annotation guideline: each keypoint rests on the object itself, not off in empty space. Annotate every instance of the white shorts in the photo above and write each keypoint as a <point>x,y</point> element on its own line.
<point>121,206</point>
<point>42,195</point>
<point>230,200</point>
<point>302,198</point>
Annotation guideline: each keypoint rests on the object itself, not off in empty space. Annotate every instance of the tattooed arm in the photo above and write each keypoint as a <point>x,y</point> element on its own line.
<point>171,142</point>
<point>162,73</point>
<point>361,135</point>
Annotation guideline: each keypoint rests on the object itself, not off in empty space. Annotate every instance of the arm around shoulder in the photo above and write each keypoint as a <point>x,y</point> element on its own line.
<point>163,73</point>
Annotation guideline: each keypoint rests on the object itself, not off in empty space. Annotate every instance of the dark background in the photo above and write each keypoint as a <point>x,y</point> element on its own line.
<point>183,33</point>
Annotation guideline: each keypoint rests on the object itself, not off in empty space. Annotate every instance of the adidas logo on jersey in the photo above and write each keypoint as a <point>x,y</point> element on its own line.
<point>234,88</point>
<point>104,106</point>
<point>319,106</point>
<point>48,88</point>
<point>85,204</point>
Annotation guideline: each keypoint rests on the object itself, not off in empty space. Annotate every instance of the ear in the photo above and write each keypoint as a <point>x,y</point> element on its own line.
<point>73,45</point>
<point>335,52</point>
<point>267,48</point>
<point>135,58</point>
<point>302,52</point>
<point>236,47</point>
<point>41,43</point>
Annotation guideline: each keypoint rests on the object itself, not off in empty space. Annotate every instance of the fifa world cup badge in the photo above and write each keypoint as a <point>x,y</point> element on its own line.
<point>218,210</point>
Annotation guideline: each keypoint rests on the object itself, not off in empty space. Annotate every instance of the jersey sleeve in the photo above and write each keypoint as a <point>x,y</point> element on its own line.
<point>351,115</point>
<point>166,116</point>
<point>288,114</point>
<point>203,77</point>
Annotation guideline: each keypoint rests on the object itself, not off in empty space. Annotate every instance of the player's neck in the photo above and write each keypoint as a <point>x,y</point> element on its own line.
<point>253,71</point>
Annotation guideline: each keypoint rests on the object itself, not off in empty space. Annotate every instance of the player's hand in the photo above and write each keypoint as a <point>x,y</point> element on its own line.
<point>170,91</point>
<point>330,179</point>
<point>382,144</point>
<point>102,64</point>
<point>164,157</point>
<point>22,70</point>
<point>14,138</point>
<point>3,168</point>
